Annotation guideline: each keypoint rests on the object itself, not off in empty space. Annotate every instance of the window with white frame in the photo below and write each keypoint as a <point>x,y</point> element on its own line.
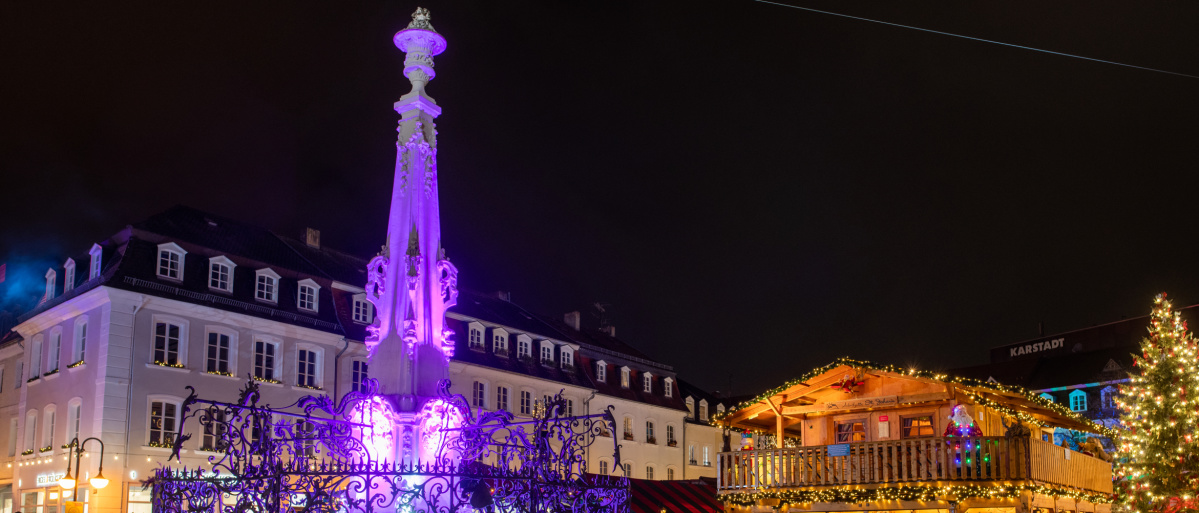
<point>501,398</point>
<point>649,472</point>
<point>720,409</point>
<point>526,402</point>
<point>266,360</point>
<point>647,382</point>
<point>68,275</point>
<point>1048,397</point>
<point>219,349</point>
<point>168,338</point>
<point>628,428</point>
<point>50,415</point>
<point>601,371</point>
<point>628,470</point>
<point>703,409</point>
<point>603,465</point>
<point>31,431</point>
<point>170,261</point>
<point>307,297</point>
<point>547,352</point>
<point>624,377</point>
<point>690,408</point>
<point>499,341</point>
<point>35,357</point>
<point>94,266</point>
<point>668,387</point>
<point>524,346</point>
<point>164,417</point>
<point>570,407</point>
<point>79,347</point>
<point>707,456</point>
<point>74,418</point>
<point>358,376</point>
<point>669,474</point>
<point>649,433</point>
<point>670,439</point>
<point>266,285</point>
<point>568,358</point>
<point>1107,397</point>
<point>475,339</point>
<point>364,311</point>
<point>1078,401</point>
<point>220,273</point>
<point>479,394</point>
<point>51,279</point>
<point>307,368</point>
<point>55,349</point>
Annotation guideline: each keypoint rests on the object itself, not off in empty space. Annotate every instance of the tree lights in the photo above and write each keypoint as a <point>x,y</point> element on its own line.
<point>1158,460</point>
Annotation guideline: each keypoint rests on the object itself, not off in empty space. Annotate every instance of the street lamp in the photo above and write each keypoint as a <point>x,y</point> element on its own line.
<point>72,482</point>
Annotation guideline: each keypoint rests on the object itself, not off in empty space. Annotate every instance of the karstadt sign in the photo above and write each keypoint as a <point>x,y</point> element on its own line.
<point>1037,347</point>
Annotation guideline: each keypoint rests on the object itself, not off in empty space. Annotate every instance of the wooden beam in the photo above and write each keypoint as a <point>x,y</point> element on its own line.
<point>903,399</point>
<point>829,377</point>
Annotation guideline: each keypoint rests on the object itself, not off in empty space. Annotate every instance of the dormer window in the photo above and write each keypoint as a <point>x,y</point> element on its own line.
<point>94,267</point>
<point>703,409</point>
<point>307,295</point>
<point>690,409</point>
<point>1048,397</point>
<point>266,286</point>
<point>499,341</point>
<point>51,279</point>
<point>647,382</point>
<point>364,311</point>
<point>720,409</point>
<point>601,371</point>
<point>624,377</point>
<point>524,346</point>
<point>220,274</point>
<point>476,335</point>
<point>567,357</point>
<point>547,352</point>
<point>68,275</point>
<point>1078,401</point>
<point>668,387</point>
<point>170,261</point>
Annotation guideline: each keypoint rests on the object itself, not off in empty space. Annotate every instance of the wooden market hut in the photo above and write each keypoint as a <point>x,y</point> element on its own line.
<point>859,436</point>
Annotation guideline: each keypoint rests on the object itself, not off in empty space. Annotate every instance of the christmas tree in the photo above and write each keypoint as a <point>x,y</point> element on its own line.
<point>1158,458</point>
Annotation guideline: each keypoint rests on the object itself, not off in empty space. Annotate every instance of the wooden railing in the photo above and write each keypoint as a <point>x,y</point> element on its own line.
<point>912,460</point>
<point>1048,463</point>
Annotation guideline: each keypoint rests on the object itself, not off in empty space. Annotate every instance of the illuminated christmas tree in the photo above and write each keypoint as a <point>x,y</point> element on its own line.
<point>1158,458</point>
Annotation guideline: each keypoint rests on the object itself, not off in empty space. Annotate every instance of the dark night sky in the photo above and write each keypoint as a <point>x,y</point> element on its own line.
<point>755,190</point>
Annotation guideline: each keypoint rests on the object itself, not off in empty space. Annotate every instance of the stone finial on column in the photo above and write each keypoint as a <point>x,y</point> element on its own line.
<point>420,42</point>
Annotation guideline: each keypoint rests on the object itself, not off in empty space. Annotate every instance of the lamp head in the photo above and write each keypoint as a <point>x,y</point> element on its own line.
<point>66,482</point>
<point>99,481</point>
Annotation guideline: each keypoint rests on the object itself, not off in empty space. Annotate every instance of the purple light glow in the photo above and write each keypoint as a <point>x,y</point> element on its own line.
<point>379,439</point>
<point>436,419</point>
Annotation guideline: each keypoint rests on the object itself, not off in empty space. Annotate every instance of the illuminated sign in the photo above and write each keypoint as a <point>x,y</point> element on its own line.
<point>49,479</point>
<point>1037,347</point>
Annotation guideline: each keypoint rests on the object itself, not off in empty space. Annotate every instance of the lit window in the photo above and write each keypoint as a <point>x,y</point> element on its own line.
<point>476,336</point>
<point>523,347</point>
<point>51,280</point>
<point>568,359</point>
<point>170,261</point>
<point>68,275</point>
<point>307,297</point>
<point>307,364</point>
<point>363,310</point>
<point>358,376</point>
<point>220,274</point>
<point>479,395</point>
<point>647,382</point>
<point>915,427</point>
<point>267,285</point>
<point>668,387</point>
<point>265,360</point>
<point>547,352</point>
<point>601,371</point>
<point>851,431</point>
<point>79,348</point>
<point>167,340</point>
<point>624,377</point>
<point>163,418</point>
<point>526,402</point>
<point>628,428</point>
<point>218,353</point>
<point>707,456</point>
<point>1078,401</point>
<point>95,254</point>
<point>501,398</point>
<point>691,455</point>
<point>703,409</point>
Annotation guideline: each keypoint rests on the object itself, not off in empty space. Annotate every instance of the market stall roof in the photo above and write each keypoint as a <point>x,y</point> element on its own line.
<point>792,399</point>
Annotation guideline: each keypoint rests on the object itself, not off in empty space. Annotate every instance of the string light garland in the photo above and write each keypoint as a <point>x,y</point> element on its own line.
<point>913,493</point>
<point>1158,451</point>
<point>1091,426</point>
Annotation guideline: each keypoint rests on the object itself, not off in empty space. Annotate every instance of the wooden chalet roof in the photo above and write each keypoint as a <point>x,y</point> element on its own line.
<point>796,398</point>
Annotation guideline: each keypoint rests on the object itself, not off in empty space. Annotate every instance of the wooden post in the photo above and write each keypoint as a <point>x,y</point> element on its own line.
<point>778,430</point>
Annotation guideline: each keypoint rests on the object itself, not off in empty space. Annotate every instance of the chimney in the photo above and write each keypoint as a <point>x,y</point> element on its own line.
<point>610,330</point>
<point>312,236</point>
<point>505,295</point>
<point>572,319</point>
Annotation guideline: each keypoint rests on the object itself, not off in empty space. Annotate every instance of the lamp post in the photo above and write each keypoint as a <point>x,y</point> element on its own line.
<point>97,482</point>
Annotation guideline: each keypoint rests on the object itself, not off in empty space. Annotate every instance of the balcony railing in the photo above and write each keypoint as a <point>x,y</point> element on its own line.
<point>913,460</point>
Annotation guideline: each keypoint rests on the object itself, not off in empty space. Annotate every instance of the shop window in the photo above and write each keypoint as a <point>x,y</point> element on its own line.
<point>915,427</point>
<point>851,431</point>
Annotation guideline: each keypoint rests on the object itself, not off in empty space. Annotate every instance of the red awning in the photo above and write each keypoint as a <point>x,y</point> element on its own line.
<point>673,497</point>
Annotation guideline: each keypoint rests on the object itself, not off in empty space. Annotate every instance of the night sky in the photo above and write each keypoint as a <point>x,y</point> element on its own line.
<point>751,190</point>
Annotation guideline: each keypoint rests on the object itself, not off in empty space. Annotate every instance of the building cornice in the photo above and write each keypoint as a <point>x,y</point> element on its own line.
<point>75,306</point>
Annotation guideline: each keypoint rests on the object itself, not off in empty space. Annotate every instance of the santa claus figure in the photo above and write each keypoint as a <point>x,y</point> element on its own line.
<point>961,424</point>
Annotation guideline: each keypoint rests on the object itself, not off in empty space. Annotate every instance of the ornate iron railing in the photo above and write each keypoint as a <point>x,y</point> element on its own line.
<point>314,455</point>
